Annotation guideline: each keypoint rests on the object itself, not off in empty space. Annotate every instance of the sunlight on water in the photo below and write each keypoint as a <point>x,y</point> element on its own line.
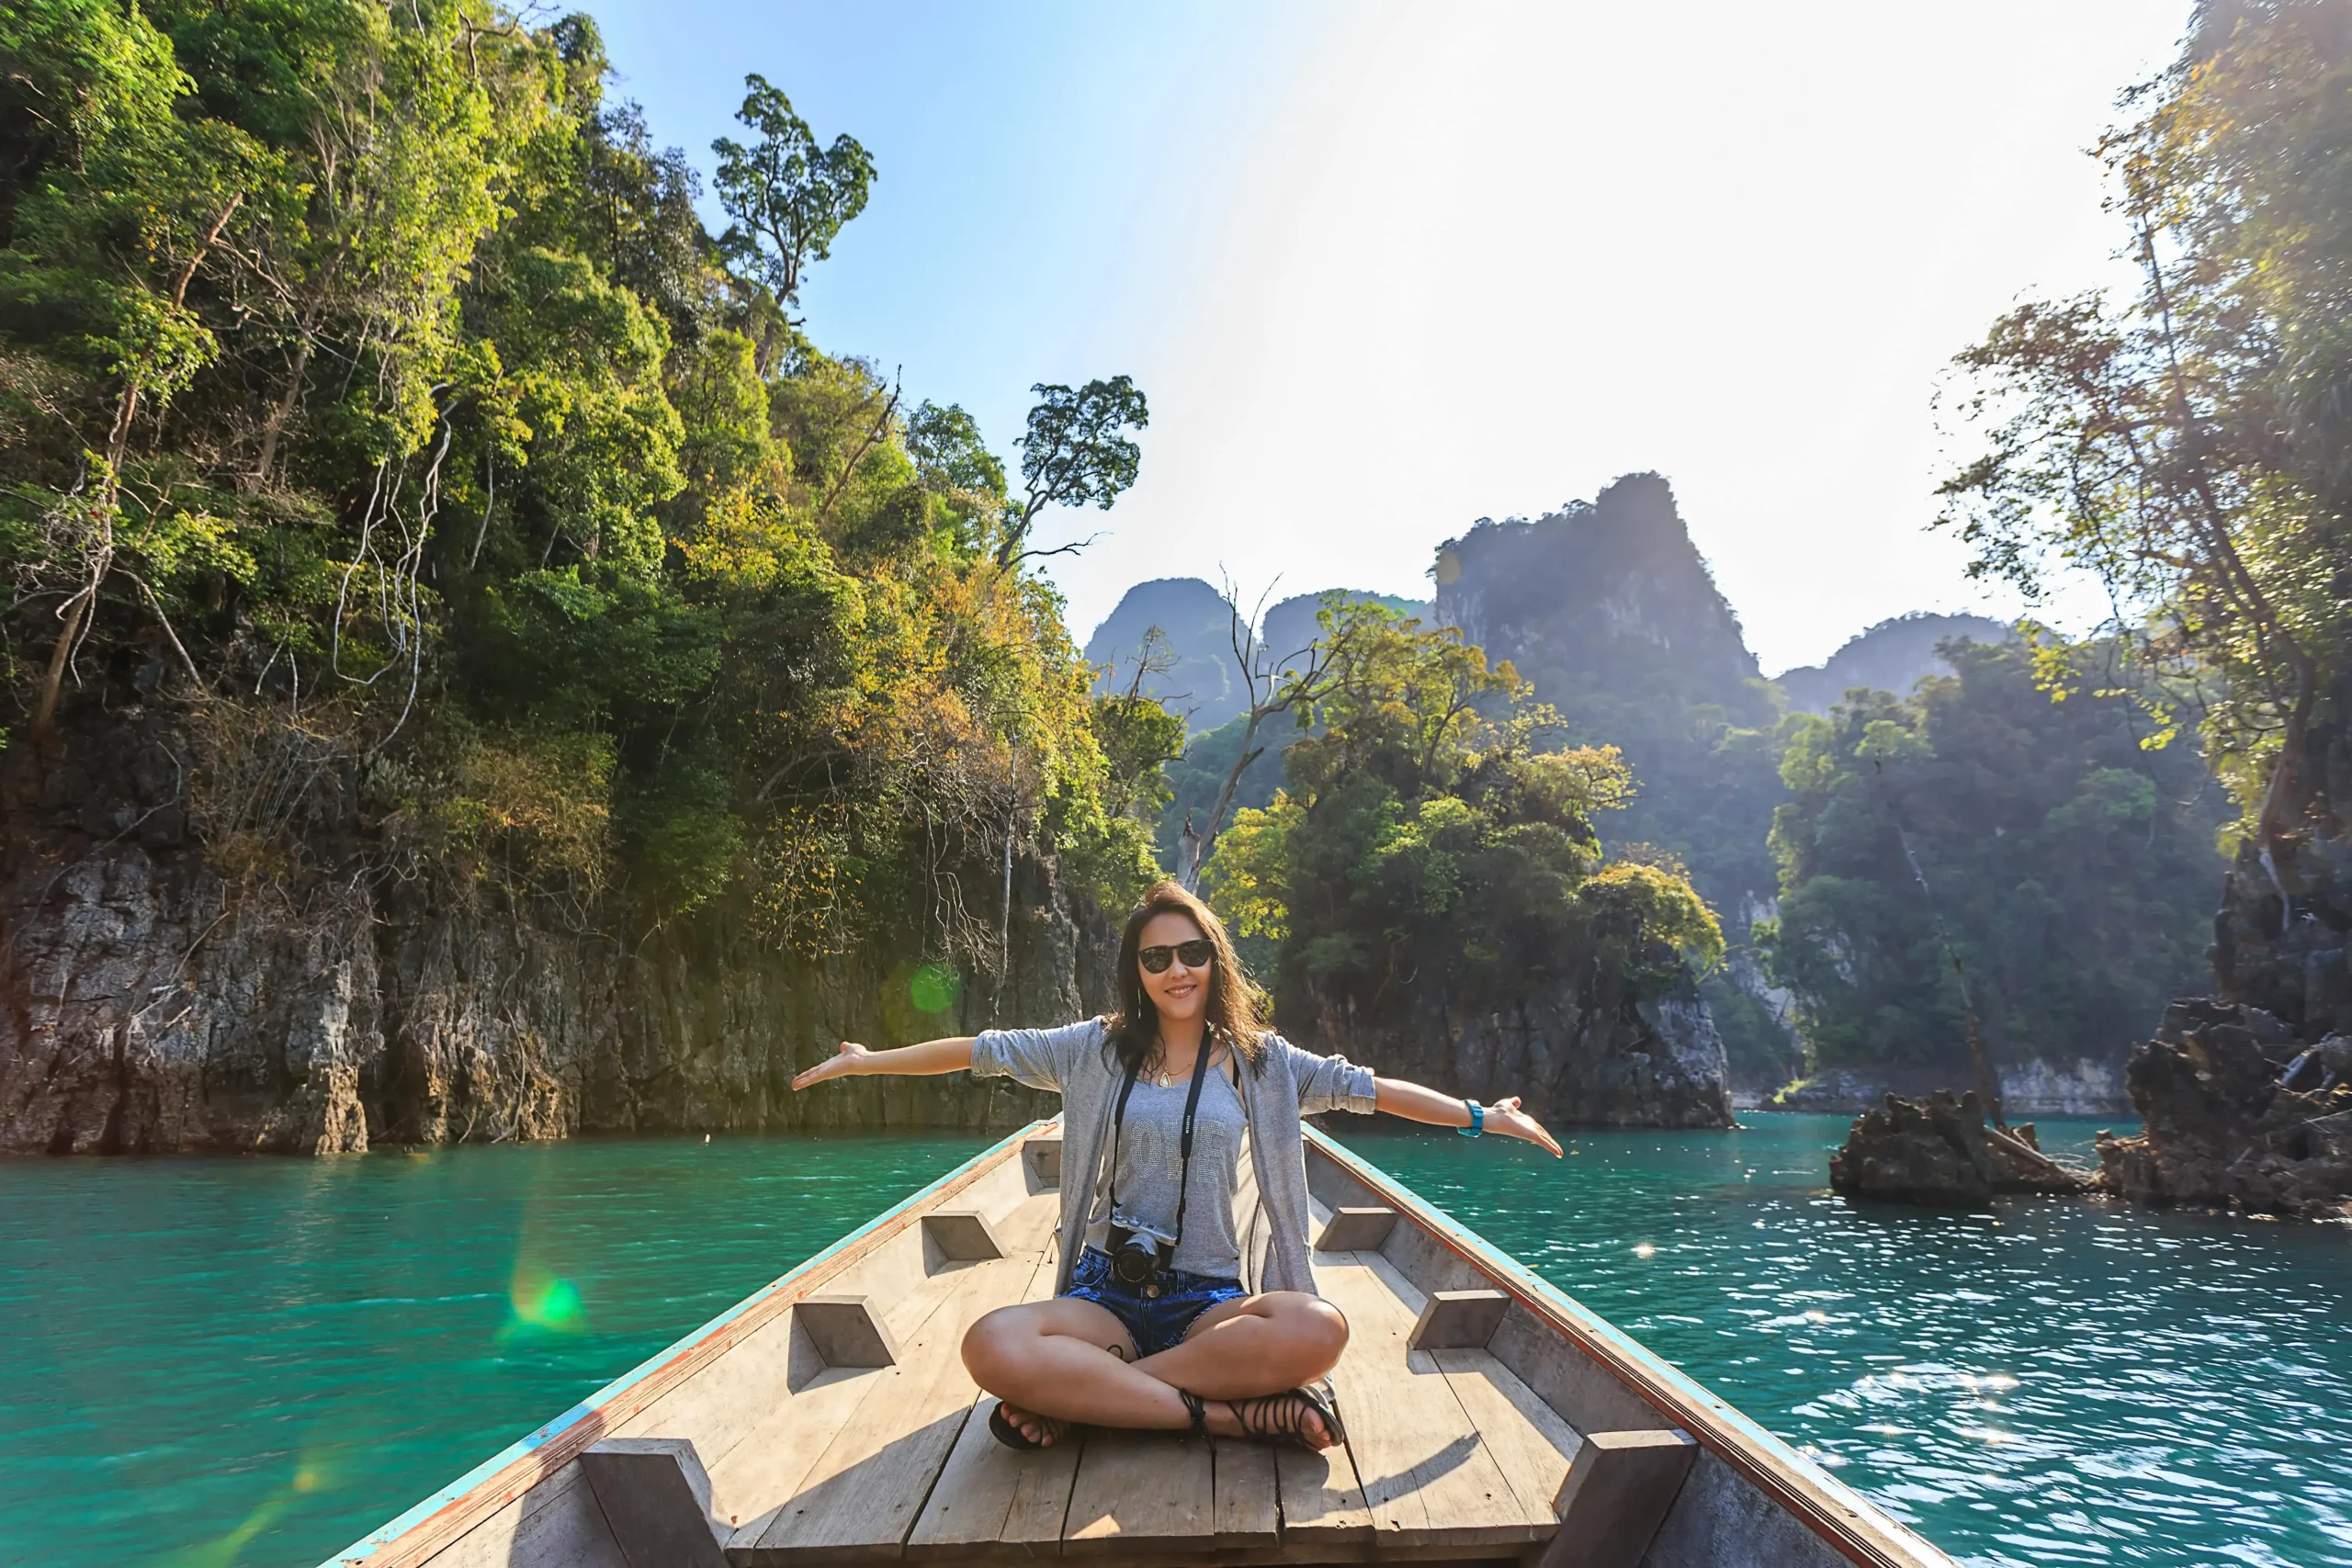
<point>2052,1384</point>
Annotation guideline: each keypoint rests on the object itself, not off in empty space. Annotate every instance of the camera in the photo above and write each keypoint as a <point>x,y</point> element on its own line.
<point>1139,1254</point>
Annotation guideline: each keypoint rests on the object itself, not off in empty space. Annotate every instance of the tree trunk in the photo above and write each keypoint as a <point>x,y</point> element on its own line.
<point>45,715</point>
<point>281,414</point>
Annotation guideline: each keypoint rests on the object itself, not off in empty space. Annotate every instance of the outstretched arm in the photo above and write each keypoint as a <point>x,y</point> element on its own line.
<point>950,1056</point>
<point>1415,1103</point>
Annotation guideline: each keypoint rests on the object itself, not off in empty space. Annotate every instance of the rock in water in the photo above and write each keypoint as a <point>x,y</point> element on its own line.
<point>1938,1150</point>
<point>2222,1128</point>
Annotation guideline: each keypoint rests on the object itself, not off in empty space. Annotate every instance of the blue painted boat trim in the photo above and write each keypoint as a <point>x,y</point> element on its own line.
<point>1671,1380</point>
<point>385,1535</point>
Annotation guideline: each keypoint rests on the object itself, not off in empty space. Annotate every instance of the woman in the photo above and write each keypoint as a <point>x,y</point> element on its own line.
<point>1152,1326</point>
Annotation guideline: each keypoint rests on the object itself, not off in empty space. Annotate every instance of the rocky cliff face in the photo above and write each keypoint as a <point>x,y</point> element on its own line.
<point>1610,612</point>
<point>1576,1058</point>
<point>153,1005</point>
<point>2239,1114</point>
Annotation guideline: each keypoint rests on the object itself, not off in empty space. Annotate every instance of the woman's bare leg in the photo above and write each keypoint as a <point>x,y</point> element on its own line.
<point>1260,1344</point>
<point>1071,1361</point>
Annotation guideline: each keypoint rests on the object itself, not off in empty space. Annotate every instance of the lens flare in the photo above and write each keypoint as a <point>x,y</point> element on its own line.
<point>314,1471</point>
<point>545,1300</point>
<point>935,988</point>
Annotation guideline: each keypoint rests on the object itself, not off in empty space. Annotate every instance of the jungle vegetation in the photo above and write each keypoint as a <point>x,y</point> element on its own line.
<point>372,394</point>
<point>2189,446</point>
<point>1979,839</point>
<point>1434,841</point>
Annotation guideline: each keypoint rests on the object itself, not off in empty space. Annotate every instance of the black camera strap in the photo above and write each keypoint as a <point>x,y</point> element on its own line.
<point>1184,1140</point>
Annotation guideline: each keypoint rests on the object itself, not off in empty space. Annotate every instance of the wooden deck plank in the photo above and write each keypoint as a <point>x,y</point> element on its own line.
<point>1141,1492</point>
<point>1323,1505</point>
<point>1248,1513</point>
<point>765,1470</point>
<point>1322,1499</point>
<point>864,1493</point>
<point>991,1501</point>
<point>1531,1444</point>
<point>1428,1477</point>
<point>1527,1438</point>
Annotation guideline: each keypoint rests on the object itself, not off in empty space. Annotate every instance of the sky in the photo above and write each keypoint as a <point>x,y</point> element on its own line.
<point>1385,270</point>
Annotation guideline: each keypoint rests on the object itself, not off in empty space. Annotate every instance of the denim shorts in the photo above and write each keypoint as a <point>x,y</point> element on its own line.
<point>1155,1322</point>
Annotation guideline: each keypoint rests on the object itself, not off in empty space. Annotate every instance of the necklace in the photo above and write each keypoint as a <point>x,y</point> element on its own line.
<point>1167,1079</point>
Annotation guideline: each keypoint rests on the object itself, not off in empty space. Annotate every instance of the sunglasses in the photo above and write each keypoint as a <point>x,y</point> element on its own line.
<point>1193,954</point>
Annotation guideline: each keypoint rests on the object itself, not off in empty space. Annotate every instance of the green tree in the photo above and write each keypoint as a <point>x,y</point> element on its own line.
<point>370,367</point>
<point>788,199</point>
<point>2186,447</point>
<point>1074,452</point>
<point>1426,839</point>
<point>2067,868</point>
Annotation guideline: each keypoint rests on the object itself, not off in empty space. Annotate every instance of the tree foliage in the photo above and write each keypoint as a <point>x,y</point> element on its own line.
<point>2069,867</point>
<point>2186,447</point>
<point>1074,452</point>
<point>365,370</point>
<point>1427,840</point>
<point>787,197</point>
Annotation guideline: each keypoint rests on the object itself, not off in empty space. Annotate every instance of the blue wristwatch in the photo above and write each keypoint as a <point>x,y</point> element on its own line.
<point>1478,1120</point>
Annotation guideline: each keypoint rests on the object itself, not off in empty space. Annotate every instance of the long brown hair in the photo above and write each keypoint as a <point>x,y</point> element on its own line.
<point>1134,1029</point>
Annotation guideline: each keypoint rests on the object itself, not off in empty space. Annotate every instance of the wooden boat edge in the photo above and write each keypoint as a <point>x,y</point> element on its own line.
<point>417,1532</point>
<point>1858,1528</point>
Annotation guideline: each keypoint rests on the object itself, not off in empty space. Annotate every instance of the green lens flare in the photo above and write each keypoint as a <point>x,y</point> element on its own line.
<point>541,1300</point>
<point>935,988</point>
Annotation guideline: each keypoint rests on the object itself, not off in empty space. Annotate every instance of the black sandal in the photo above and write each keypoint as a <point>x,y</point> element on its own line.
<point>1282,1418</point>
<point>1012,1437</point>
<point>1197,1408</point>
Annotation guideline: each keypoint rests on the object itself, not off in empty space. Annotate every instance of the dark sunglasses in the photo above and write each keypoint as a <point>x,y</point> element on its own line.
<point>1194,953</point>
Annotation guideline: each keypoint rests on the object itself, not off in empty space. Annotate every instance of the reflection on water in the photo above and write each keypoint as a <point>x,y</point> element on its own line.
<point>2052,1382</point>
<point>211,1363</point>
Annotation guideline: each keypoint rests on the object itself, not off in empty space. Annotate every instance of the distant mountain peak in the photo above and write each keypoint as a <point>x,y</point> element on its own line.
<point>1893,656</point>
<point>1619,568</point>
<point>1195,622</point>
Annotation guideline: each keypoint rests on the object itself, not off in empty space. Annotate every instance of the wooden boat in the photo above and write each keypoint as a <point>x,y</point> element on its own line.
<point>829,1418</point>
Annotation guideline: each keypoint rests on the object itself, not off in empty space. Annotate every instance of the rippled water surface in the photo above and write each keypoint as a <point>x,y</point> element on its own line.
<point>2055,1382</point>
<point>216,1362</point>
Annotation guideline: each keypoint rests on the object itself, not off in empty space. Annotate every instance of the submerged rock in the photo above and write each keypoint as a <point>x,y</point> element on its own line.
<point>1938,1150</point>
<point>2237,1113</point>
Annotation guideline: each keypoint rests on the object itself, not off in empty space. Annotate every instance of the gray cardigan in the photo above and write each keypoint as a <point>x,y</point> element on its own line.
<point>1291,1083</point>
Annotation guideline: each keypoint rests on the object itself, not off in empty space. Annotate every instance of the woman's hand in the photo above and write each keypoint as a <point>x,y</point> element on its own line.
<point>1504,1116</point>
<point>848,1062</point>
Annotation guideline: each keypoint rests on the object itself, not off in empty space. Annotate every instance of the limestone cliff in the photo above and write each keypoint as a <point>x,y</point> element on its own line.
<point>1608,608</point>
<point>153,1005</point>
<point>1578,1055</point>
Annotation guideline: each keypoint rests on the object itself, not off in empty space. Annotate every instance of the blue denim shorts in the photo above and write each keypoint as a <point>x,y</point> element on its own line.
<point>1155,1322</point>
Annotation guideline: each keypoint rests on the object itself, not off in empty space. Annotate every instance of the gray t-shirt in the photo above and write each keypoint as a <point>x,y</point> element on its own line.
<point>1151,1153</point>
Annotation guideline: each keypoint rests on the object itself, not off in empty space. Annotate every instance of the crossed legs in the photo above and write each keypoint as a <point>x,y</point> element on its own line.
<point>1071,1361</point>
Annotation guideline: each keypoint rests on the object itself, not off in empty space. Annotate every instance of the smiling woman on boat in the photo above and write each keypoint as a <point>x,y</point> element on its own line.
<point>1151,1326</point>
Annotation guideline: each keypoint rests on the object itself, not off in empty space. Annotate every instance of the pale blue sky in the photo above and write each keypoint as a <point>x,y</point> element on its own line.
<point>1386,269</point>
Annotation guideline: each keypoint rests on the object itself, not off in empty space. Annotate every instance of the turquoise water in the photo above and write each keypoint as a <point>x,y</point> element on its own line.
<point>2055,1382</point>
<point>254,1361</point>
<point>208,1362</point>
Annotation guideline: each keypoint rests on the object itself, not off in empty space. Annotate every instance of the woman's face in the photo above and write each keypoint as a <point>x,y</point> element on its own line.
<point>1178,991</point>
